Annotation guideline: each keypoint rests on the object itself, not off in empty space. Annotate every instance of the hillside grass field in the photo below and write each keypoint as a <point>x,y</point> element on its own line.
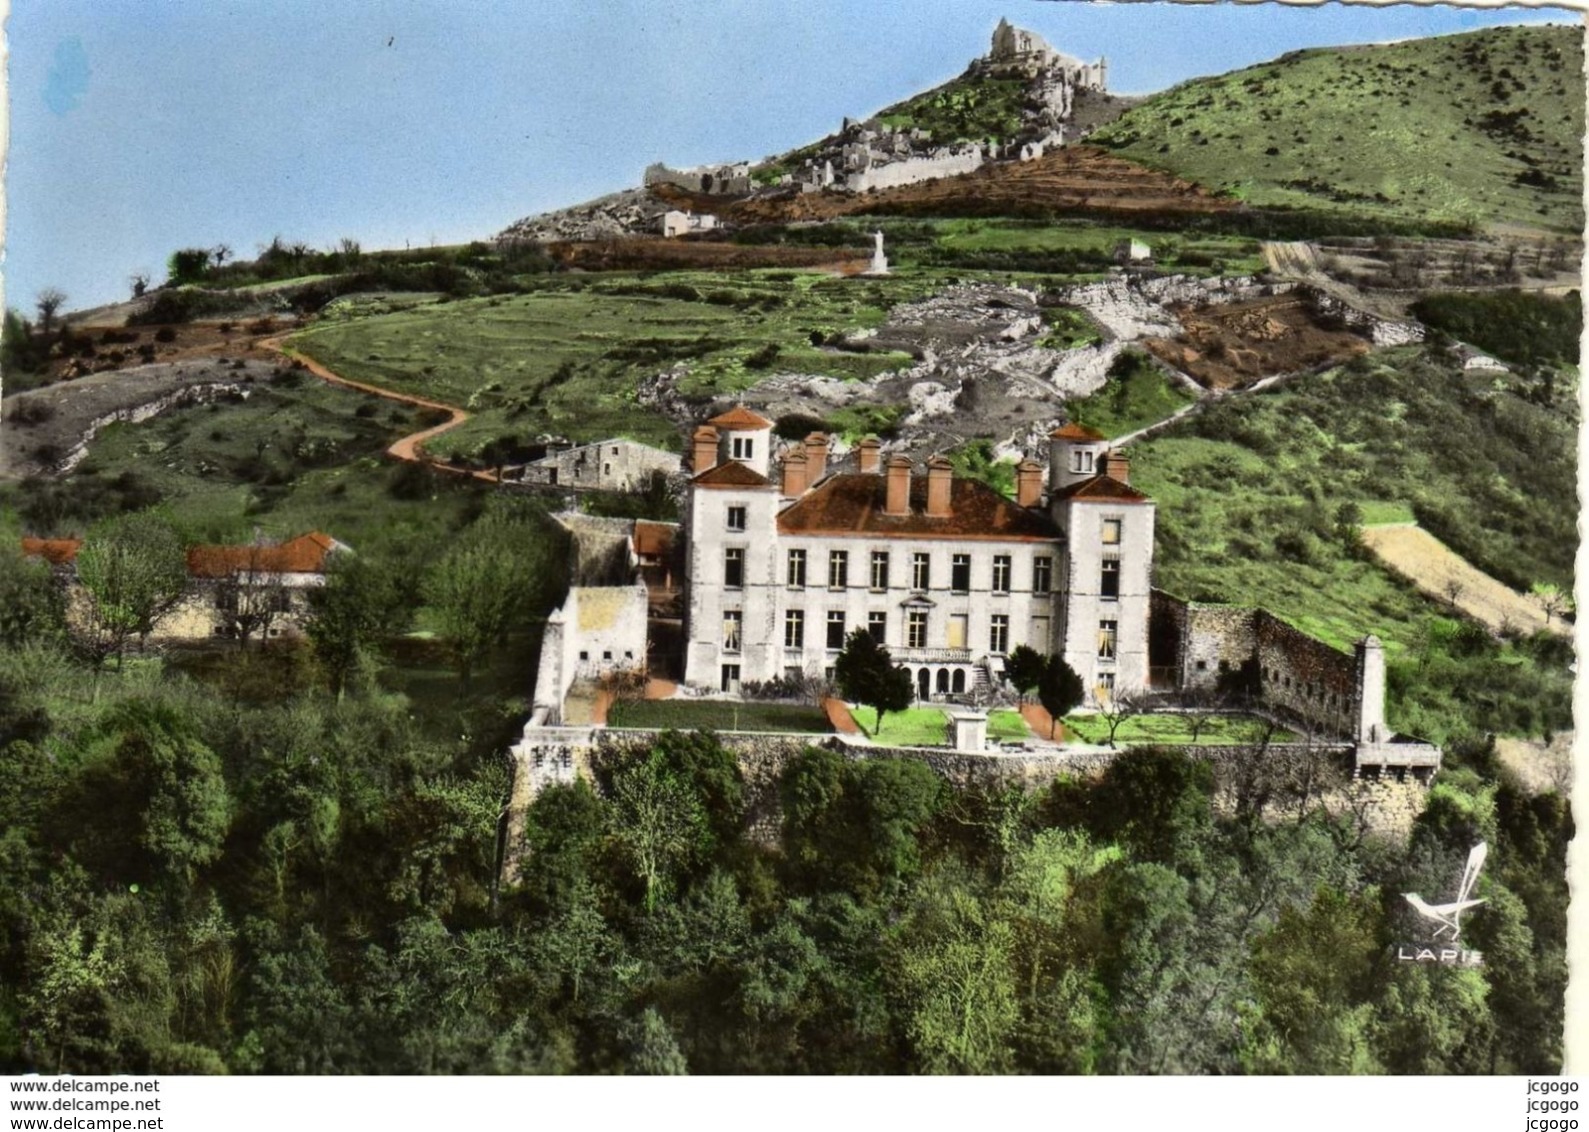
<point>1251,490</point>
<point>1481,128</point>
<point>294,456</point>
<point>568,358</point>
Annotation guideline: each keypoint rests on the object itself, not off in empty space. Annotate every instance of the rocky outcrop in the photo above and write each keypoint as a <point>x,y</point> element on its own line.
<point>629,213</point>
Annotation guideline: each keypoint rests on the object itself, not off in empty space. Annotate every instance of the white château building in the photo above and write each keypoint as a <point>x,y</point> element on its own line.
<point>945,571</point>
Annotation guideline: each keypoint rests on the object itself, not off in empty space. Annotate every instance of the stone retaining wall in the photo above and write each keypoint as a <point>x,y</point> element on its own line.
<point>1278,780</point>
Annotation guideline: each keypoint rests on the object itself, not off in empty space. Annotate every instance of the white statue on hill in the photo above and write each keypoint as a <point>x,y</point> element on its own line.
<point>879,260</point>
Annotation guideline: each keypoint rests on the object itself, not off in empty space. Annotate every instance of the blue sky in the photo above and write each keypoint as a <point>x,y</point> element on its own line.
<point>139,127</point>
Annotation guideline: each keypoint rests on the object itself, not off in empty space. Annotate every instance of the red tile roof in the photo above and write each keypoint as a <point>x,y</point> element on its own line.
<point>653,539</point>
<point>731,474</point>
<point>1103,488</point>
<point>740,417</point>
<point>56,551</point>
<point>853,503</point>
<point>1074,431</point>
<point>305,554</point>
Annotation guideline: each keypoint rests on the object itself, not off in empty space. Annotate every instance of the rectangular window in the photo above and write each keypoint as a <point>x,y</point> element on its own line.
<point>835,628</point>
<point>1109,581</point>
<point>920,571</point>
<point>733,622</point>
<point>879,569</point>
<point>734,568</point>
<point>916,629</point>
<point>1106,686</point>
<point>955,636</point>
<point>1081,461</point>
<point>960,573</point>
<point>794,629</point>
<point>877,626</point>
<point>1111,532</point>
<point>744,448</point>
<point>1108,634</point>
<point>797,568</point>
<point>838,569</point>
<point>999,634</point>
<point>1001,573</point>
<point>736,518</point>
<point>730,678</point>
<point>1042,574</point>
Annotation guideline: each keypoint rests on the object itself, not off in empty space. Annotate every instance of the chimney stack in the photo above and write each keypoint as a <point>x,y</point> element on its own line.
<point>898,486</point>
<point>816,457</point>
<point>871,455</point>
<point>795,478</point>
<point>940,474</point>
<point>1117,467</point>
<point>1028,483</point>
<point>705,449</point>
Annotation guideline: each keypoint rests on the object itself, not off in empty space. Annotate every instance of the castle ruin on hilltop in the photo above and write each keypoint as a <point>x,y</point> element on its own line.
<point>870,154</point>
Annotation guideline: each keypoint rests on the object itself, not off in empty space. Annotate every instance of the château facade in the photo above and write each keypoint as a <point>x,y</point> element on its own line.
<point>782,563</point>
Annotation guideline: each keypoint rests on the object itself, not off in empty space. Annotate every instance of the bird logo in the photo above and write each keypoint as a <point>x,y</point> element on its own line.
<point>1448,916</point>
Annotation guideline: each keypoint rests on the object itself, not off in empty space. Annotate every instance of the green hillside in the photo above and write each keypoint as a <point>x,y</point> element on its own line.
<point>1483,128</point>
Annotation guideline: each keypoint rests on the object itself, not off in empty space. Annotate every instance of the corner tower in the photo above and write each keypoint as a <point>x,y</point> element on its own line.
<point>745,437</point>
<point>1108,578</point>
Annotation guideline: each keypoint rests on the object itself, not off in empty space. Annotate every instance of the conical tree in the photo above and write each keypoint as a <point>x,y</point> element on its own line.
<point>866,674</point>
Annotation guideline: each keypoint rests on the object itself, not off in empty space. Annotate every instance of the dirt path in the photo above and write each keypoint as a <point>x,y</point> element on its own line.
<point>839,715</point>
<point>410,447</point>
<point>1041,723</point>
<point>1437,570</point>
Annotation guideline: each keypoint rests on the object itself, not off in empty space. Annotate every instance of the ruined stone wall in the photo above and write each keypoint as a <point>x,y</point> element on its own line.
<point>730,179</point>
<point>1305,677</point>
<point>1217,639</point>
<point>914,170</point>
<point>1305,680</point>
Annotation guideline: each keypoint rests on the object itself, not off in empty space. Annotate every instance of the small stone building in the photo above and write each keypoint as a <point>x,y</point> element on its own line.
<point>607,465</point>
<point>677,223</point>
<point>258,587</point>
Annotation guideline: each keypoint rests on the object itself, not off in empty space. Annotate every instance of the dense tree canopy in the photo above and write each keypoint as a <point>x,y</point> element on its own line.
<point>192,882</point>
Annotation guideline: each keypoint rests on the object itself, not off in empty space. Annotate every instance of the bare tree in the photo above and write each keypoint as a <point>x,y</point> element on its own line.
<point>1203,706</point>
<point>1114,710</point>
<point>1551,599</point>
<point>48,302</point>
<point>139,282</point>
<point>220,253</point>
<point>252,597</point>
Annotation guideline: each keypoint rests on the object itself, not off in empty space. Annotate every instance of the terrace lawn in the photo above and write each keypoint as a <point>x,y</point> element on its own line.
<point>717,715</point>
<point>1007,727</point>
<point>913,727</point>
<point>1174,730</point>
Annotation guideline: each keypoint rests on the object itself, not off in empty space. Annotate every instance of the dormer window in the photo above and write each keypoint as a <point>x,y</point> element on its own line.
<point>743,447</point>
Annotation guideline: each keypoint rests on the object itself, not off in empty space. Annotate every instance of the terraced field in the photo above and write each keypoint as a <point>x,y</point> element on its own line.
<point>1076,178</point>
